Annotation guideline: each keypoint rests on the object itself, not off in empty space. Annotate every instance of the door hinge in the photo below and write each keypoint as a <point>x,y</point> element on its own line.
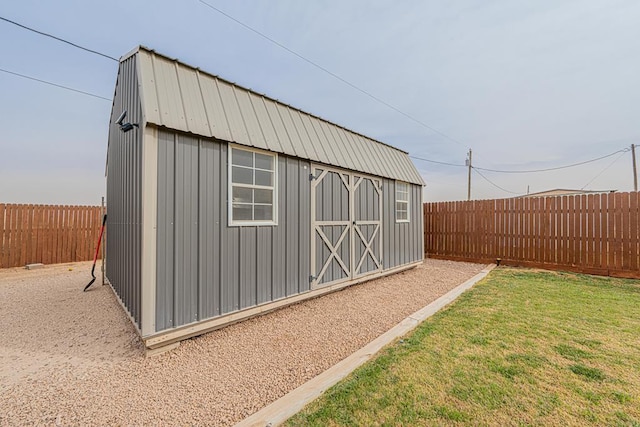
<point>312,278</point>
<point>311,177</point>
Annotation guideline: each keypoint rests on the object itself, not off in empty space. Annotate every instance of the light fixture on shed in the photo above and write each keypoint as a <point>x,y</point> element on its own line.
<point>125,127</point>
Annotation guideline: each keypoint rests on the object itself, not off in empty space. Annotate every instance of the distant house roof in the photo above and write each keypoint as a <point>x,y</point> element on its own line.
<point>181,97</point>
<point>565,192</point>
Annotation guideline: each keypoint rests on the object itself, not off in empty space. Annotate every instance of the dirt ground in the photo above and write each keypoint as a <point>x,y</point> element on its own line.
<point>68,357</point>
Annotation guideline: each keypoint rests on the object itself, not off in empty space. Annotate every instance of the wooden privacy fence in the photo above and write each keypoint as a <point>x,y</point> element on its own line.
<point>47,234</point>
<point>594,233</point>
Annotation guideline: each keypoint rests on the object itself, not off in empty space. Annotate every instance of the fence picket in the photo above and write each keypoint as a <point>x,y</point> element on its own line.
<point>634,250</point>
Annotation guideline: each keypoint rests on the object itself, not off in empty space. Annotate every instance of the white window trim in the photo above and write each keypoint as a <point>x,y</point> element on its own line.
<point>231,221</point>
<point>408,202</point>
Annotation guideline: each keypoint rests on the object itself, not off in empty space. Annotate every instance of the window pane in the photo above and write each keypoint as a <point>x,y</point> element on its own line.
<point>264,178</point>
<point>401,206</point>
<point>264,161</point>
<point>263,212</point>
<point>242,195</point>
<point>401,215</point>
<point>241,212</point>
<point>402,191</point>
<point>242,157</point>
<point>242,176</point>
<point>263,196</point>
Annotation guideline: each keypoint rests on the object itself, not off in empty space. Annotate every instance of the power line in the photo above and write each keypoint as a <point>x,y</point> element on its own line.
<point>334,75</point>
<point>493,183</point>
<point>603,170</point>
<point>58,38</point>
<point>554,168</point>
<point>436,162</point>
<point>55,84</point>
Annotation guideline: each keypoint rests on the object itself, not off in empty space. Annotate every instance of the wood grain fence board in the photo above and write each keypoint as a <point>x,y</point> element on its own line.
<point>2,228</point>
<point>559,230</point>
<point>7,236</point>
<point>77,241</point>
<point>67,235</point>
<point>57,241</point>
<point>484,229</point>
<point>626,230</point>
<point>35,224</point>
<point>619,230</point>
<point>48,245</point>
<point>77,226</point>
<point>548,237</point>
<point>590,233</point>
<point>609,234</point>
<point>17,242</point>
<point>14,241</point>
<point>597,238</point>
<point>582,241</point>
<point>529,218</point>
<point>539,212</point>
<point>634,249</point>
<point>525,229</point>
<point>506,227</point>
<point>571,230</point>
<point>28,234</point>
<point>518,235</point>
<point>537,241</point>
<point>13,236</point>
<point>456,226</point>
<point>515,242</point>
<point>56,245</point>
<point>488,238</point>
<point>553,238</point>
<point>71,233</point>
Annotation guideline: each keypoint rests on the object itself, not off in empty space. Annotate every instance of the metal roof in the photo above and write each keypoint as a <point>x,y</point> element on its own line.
<point>181,97</point>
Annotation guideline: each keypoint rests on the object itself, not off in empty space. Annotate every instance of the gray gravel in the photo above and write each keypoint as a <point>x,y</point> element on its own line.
<point>68,357</point>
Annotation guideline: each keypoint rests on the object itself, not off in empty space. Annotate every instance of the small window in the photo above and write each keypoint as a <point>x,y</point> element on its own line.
<point>402,202</point>
<point>252,183</point>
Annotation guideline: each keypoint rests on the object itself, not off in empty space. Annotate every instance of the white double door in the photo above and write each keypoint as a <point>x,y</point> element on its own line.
<point>346,226</point>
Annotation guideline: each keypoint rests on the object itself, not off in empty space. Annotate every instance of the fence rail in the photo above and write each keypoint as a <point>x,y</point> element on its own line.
<point>594,233</point>
<point>47,234</point>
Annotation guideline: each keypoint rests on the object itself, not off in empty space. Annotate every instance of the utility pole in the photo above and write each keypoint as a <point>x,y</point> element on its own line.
<point>469,178</point>
<point>635,172</point>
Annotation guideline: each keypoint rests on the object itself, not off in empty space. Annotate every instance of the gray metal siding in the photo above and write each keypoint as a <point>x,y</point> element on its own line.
<point>402,242</point>
<point>206,268</point>
<point>186,99</point>
<point>124,197</point>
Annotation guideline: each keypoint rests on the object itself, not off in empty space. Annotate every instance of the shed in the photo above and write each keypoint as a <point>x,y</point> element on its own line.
<point>224,203</point>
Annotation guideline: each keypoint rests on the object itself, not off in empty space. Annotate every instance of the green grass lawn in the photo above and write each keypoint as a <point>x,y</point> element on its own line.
<point>522,347</point>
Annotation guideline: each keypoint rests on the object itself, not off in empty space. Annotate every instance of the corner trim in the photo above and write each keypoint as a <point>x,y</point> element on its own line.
<point>149,227</point>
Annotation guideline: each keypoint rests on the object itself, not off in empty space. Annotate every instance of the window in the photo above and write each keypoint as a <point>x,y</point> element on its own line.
<point>252,183</point>
<point>402,202</point>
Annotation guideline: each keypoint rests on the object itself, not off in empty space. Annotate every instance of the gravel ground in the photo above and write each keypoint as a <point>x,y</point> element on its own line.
<point>68,357</point>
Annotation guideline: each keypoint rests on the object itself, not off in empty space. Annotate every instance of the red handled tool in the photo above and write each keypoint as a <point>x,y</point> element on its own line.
<point>95,258</point>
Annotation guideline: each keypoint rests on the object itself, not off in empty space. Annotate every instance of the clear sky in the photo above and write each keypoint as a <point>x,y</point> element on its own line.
<point>526,85</point>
